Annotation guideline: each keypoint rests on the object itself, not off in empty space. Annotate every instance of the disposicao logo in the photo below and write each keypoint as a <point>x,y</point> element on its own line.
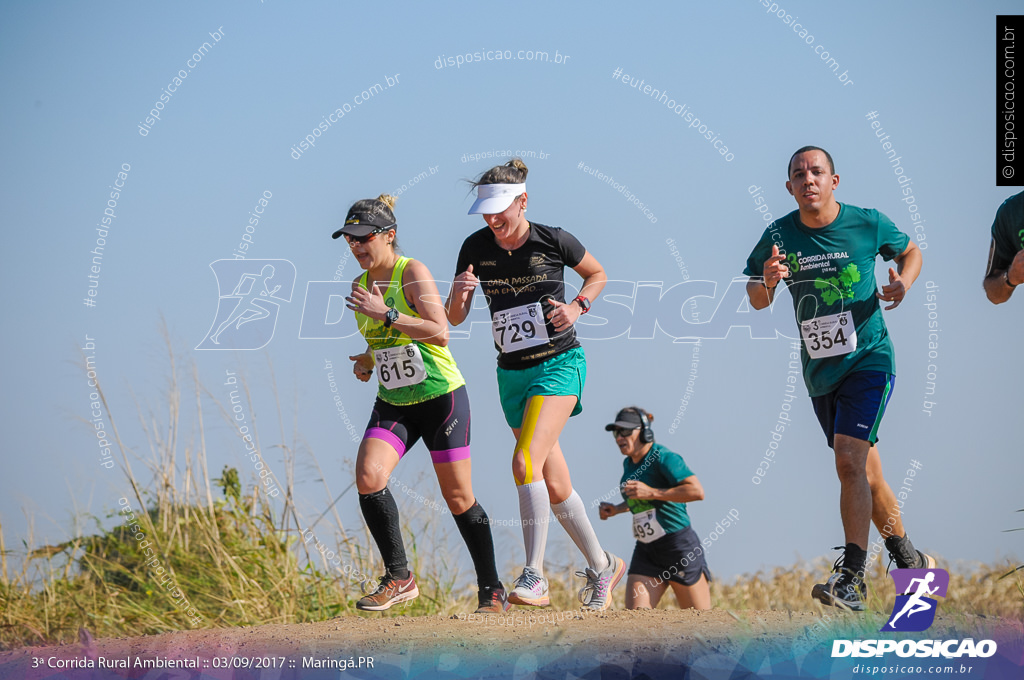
<point>913,612</point>
<point>251,293</point>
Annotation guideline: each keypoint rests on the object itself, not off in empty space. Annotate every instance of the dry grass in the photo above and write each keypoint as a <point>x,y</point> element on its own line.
<point>240,560</point>
<point>236,555</point>
<point>978,592</point>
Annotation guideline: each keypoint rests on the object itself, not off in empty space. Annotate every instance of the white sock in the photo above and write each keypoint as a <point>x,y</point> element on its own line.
<point>533,510</point>
<point>573,516</point>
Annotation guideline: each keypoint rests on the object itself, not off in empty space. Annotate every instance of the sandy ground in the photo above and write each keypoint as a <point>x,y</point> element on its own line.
<point>566,644</point>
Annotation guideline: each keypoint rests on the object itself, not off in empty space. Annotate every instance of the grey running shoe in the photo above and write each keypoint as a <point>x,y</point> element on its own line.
<point>597,594</point>
<point>906,556</point>
<point>530,589</point>
<point>844,589</point>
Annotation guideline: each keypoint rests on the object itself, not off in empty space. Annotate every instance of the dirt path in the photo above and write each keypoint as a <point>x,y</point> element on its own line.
<point>557,644</point>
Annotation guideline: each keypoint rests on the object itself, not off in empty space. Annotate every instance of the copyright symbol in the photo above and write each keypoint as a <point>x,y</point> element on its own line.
<point>1007,171</point>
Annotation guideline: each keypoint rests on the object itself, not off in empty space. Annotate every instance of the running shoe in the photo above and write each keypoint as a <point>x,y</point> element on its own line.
<point>493,601</point>
<point>530,589</point>
<point>389,591</point>
<point>597,594</point>
<point>844,589</point>
<point>906,556</point>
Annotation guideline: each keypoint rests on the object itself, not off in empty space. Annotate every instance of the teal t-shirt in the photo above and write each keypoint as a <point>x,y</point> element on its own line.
<point>833,271</point>
<point>659,469</point>
<point>1008,231</point>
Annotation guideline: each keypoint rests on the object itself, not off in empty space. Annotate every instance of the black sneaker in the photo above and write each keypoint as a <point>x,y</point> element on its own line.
<point>492,601</point>
<point>844,589</point>
<point>906,556</point>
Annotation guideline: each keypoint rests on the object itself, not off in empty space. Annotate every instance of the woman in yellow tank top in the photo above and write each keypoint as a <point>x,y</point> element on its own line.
<point>421,394</point>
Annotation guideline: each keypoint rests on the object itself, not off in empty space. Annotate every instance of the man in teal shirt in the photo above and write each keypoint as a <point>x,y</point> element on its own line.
<point>1006,254</point>
<point>825,251</point>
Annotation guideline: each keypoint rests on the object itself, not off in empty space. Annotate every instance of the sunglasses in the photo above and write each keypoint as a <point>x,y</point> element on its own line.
<point>623,432</point>
<point>363,240</point>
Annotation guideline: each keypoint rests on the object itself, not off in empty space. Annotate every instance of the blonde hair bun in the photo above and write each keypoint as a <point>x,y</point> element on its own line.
<point>518,164</point>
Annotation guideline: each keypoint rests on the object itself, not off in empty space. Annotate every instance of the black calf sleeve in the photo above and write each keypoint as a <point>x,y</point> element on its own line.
<point>475,527</point>
<point>380,513</point>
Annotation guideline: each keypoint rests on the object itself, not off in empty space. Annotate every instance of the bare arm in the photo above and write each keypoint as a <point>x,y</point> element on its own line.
<point>421,292</point>
<point>607,510</point>
<point>460,299</point>
<point>363,366</point>
<point>565,314</point>
<point>593,275</point>
<point>759,295</point>
<point>908,267</point>
<point>997,289</point>
<point>689,490</point>
<point>761,291</point>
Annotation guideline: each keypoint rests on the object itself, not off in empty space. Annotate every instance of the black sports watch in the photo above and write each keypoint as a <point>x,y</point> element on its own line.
<point>1006,279</point>
<point>390,317</point>
<point>583,302</point>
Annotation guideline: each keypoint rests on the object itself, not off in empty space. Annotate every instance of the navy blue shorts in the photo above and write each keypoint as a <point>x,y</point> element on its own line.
<point>856,407</point>
<point>676,557</point>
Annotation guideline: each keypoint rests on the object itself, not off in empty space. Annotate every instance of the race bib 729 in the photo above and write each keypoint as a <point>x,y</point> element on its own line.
<point>519,328</point>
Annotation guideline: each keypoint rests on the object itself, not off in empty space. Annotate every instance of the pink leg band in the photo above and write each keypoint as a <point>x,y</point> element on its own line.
<point>450,455</point>
<point>386,436</point>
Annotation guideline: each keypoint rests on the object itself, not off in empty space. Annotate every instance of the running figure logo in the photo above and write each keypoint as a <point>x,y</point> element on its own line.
<point>914,611</point>
<point>247,315</point>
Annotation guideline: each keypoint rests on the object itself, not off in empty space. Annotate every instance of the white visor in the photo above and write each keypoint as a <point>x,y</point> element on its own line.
<point>492,199</point>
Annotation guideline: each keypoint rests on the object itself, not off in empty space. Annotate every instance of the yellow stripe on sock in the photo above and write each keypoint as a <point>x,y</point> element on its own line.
<point>526,435</point>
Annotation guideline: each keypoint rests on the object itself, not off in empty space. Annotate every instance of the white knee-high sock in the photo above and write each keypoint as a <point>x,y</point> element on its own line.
<point>573,516</point>
<point>533,510</point>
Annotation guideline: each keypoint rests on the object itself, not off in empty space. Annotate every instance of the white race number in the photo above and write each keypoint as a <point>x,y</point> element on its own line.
<point>646,527</point>
<point>519,328</point>
<point>399,366</point>
<point>829,336</point>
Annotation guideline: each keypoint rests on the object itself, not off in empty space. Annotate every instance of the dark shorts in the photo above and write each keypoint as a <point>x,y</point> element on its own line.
<point>442,422</point>
<point>856,407</point>
<point>676,557</point>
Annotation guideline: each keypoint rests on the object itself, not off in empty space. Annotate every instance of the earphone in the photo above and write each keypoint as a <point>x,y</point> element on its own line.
<point>646,433</point>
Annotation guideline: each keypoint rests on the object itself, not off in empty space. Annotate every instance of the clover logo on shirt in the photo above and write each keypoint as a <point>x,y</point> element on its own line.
<point>834,289</point>
<point>637,505</point>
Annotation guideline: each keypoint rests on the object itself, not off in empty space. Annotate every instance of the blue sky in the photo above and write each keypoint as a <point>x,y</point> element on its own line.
<point>80,79</point>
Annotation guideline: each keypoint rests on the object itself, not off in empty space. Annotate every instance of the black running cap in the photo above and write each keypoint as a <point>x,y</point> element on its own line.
<point>627,419</point>
<point>363,223</point>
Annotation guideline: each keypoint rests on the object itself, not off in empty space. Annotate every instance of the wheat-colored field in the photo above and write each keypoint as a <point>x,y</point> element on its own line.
<point>207,552</point>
